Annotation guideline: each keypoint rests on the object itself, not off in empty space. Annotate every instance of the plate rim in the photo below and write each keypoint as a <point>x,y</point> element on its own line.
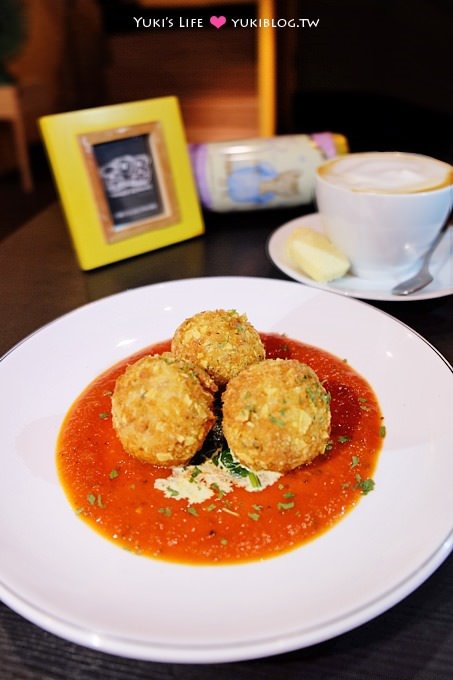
<point>228,652</point>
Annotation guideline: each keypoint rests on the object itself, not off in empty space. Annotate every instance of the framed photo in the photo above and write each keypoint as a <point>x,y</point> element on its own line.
<point>124,178</point>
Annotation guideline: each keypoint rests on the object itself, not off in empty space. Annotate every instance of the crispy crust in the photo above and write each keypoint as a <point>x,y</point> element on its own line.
<point>222,342</point>
<point>276,415</point>
<point>162,409</point>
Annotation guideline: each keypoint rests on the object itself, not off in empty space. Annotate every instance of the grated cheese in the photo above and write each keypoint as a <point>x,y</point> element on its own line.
<point>197,483</point>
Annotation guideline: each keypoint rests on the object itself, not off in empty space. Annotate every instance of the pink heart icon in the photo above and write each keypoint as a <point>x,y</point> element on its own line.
<point>217,21</point>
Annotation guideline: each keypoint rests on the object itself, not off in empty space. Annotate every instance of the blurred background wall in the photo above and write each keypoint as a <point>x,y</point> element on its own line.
<point>381,71</point>
<point>59,64</point>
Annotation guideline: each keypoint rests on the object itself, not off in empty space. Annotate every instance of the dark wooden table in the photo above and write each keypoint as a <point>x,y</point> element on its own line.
<point>39,281</point>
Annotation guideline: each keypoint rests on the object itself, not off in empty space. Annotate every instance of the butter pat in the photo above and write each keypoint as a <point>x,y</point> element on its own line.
<point>313,253</point>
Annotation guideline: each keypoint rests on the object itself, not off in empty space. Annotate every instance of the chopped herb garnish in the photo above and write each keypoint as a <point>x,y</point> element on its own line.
<point>195,472</point>
<point>172,492</point>
<point>255,516</point>
<point>192,511</point>
<point>342,439</point>
<point>382,431</point>
<point>165,511</point>
<point>113,474</point>
<point>91,498</point>
<point>215,487</point>
<point>288,494</point>
<point>285,506</point>
<point>311,394</point>
<point>354,461</point>
<point>104,415</point>
<point>365,485</point>
<point>211,507</point>
<point>363,401</point>
<point>254,480</point>
<point>223,541</point>
<point>326,397</point>
<point>329,446</point>
<point>277,421</point>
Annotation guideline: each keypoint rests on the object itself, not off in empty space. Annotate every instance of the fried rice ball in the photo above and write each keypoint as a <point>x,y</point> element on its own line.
<point>276,415</point>
<point>162,409</point>
<point>223,342</point>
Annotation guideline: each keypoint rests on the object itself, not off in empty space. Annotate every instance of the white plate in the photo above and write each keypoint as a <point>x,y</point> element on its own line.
<point>354,286</point>
<point>61,575</point>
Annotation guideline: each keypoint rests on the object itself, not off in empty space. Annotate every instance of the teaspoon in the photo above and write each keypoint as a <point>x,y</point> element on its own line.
<point>423,276</point>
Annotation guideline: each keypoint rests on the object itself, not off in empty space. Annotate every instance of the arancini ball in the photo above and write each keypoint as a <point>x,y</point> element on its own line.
<point>223,342</point>
<point>162,409</point>
<point>276,415</point>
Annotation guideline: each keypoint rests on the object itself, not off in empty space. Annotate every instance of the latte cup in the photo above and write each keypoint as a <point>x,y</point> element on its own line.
<point>383,209</point>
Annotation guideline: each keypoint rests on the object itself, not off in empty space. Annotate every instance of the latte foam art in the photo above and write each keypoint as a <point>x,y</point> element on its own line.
<point>388,173</point>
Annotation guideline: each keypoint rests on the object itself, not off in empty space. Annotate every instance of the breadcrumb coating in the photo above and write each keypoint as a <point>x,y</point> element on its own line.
<point>223,342</point>
<point>162,409</point>
<point>276,415</point>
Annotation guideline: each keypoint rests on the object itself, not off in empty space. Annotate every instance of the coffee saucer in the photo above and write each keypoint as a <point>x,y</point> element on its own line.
<point>355,286</point>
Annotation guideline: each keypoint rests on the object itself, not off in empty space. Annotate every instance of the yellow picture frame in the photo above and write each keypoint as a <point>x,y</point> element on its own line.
<point>124,178</point>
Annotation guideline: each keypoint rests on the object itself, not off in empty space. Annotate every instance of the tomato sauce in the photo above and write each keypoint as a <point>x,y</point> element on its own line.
<point>114,493</point>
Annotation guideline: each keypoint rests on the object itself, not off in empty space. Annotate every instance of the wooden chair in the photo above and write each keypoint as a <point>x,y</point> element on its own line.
<point>11,111</point>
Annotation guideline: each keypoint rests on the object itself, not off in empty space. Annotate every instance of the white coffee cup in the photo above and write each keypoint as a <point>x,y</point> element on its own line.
<point>383,209</point>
